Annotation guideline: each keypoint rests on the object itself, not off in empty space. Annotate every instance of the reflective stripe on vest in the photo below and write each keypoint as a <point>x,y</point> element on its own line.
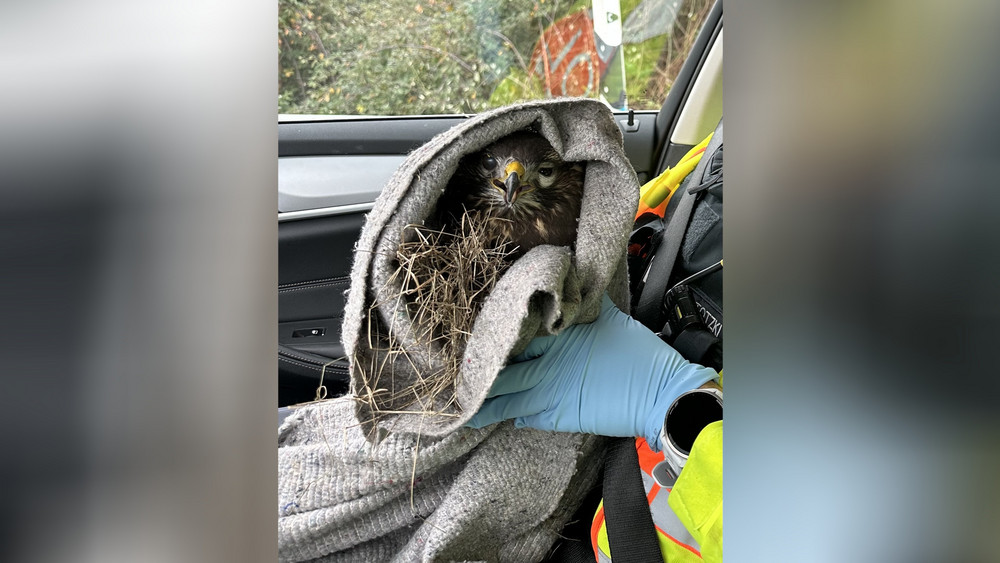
<point>676,543</point>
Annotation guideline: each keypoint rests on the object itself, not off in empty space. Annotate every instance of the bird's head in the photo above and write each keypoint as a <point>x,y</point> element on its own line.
<point>516,170</point>
<point>521,180</point>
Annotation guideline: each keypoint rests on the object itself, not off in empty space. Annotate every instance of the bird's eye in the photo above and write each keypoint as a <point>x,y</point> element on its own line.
<point>489,163</point>
<point>546,171</point>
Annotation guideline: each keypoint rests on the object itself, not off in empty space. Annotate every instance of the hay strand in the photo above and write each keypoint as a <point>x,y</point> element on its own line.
<point>442,278</point>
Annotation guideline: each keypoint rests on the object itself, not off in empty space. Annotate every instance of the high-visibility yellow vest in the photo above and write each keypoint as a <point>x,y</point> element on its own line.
<point>687,516</point>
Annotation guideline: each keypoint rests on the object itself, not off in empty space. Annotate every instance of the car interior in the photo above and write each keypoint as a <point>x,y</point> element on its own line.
<point>332,168</point>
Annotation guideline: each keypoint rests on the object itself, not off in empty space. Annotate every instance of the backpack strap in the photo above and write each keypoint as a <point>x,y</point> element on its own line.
<point>631,532</point>
<point>649,310</point>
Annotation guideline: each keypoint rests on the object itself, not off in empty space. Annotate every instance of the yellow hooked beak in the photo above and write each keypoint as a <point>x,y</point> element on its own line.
<point>512,180</point>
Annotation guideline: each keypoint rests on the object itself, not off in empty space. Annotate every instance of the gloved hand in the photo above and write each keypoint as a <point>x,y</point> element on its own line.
<point>612,377</point>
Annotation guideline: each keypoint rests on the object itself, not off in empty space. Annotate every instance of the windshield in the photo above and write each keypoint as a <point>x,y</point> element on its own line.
<point>421,57</point>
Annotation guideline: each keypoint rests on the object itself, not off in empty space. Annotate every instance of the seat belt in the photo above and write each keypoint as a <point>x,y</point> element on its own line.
<point>631,532</point>
<point>649,310</point>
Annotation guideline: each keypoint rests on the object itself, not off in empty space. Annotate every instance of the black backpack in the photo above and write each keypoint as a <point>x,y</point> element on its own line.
<point>675,264</point>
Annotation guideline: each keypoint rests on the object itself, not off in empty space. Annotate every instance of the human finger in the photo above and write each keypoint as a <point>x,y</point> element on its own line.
<point>504,407</point>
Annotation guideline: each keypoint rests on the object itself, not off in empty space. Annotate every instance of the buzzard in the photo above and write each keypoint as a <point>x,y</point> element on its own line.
<point>521,180</point>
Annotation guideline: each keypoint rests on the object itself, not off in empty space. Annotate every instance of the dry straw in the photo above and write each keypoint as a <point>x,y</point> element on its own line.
<point>442,279</point>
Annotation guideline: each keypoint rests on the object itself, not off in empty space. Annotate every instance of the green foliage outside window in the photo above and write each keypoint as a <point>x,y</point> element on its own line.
<point>419,57</point>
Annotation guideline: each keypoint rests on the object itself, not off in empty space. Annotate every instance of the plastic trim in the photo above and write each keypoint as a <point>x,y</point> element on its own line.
<point>325,212</point>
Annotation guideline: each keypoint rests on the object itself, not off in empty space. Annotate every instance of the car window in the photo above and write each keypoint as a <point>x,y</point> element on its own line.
<point>424,57</point>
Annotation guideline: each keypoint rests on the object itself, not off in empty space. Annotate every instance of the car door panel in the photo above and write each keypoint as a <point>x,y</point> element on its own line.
<point>314,266</point>
<point>322,182</point>
<point>316,249</point>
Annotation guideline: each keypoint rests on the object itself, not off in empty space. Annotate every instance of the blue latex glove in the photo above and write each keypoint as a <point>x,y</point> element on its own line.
<point>612,377</point>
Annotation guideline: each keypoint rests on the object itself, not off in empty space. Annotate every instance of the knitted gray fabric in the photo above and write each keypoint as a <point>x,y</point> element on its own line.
<point>430,489</point>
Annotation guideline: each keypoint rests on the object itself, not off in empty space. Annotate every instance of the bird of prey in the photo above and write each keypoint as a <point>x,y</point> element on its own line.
<point>521,180</point>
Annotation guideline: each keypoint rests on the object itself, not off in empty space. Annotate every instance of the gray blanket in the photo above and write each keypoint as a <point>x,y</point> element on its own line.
<point>421,487</point>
